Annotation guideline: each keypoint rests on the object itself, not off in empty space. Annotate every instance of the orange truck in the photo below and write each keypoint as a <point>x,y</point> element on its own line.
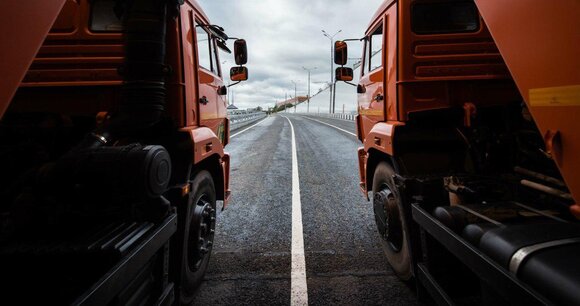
<point>467,111</point>
<point>113,128</point>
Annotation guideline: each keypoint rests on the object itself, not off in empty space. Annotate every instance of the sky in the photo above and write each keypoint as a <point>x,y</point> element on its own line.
<point>285,35</point>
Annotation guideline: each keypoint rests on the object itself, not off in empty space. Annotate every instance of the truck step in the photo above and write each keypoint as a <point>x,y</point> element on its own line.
<point>114,240</point>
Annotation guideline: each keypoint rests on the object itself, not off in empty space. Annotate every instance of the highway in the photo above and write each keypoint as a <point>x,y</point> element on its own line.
<point>297,230</point>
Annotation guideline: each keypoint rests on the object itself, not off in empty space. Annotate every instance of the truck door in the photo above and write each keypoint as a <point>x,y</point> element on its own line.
<point>371,89</point>
<point>208,76</point>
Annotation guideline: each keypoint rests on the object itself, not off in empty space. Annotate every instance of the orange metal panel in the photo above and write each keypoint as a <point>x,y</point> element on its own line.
<point>381,137</point>
<point>443,70</point>
<point>446,56</point>
<point>380,11</point>
<point>391,62</point>
<point>207,144</point>
<point>74,55</point>
<point>540,43</point>
<point>23,27</point>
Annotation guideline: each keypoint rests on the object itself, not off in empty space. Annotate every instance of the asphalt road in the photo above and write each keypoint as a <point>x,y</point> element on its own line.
<point>252,256</point>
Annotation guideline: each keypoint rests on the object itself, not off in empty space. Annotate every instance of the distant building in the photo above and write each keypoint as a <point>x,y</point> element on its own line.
<point>255,109</point>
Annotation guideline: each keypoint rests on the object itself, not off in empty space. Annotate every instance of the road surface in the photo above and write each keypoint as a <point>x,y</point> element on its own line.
<point>252,261</point>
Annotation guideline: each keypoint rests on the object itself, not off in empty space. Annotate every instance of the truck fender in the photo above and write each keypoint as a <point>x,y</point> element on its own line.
<point>378,145</point>
<point>209,154</point>
<point>381,137</point>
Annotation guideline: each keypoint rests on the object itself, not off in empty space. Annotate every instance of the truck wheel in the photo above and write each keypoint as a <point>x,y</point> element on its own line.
<point>390,220</point>
<point>198,234</point>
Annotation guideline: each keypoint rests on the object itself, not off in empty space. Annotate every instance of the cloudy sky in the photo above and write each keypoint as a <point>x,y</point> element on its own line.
<point>285,35</point>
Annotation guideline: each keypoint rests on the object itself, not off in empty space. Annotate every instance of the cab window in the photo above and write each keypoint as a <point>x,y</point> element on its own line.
<point>375,48</point>
<point>204,48</point>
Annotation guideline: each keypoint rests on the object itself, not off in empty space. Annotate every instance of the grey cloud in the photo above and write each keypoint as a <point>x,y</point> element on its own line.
<point>283,36</point>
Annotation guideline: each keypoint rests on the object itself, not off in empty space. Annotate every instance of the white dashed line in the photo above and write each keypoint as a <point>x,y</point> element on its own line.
<point>336,127</point>
<point>298,285</point>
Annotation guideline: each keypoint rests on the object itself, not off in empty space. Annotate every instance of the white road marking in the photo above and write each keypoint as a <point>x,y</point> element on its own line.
<point>336,127</point>
<point>298,285</point>
<point>238,133</point>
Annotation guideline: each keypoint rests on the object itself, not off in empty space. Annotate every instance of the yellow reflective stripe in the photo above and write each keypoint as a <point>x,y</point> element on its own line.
<point>555,96</point>
<point>371,112</point>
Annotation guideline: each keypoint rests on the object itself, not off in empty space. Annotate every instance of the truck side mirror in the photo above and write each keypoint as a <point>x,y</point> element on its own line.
<point>340,52</point>
<point>344,74</point>
<point>240,52</point>
<point>238,74</point>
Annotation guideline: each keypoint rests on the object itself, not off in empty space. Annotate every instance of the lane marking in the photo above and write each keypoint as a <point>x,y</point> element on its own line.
<point>298,285</point>
<point>238,133</point>
<point>336,127</point>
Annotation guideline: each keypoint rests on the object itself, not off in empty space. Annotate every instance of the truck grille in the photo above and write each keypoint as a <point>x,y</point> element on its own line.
<point>458,59</point>
<point>70,63</point>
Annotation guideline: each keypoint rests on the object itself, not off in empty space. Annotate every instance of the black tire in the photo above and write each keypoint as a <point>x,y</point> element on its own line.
<point>198,233</point>
<point>390,219</point>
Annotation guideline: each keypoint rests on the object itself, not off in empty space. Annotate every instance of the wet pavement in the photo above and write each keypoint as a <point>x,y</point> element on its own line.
<point>251,259</point>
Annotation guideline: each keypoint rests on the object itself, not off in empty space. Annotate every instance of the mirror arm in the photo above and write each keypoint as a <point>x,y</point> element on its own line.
<point>354,39</point>
<point>349,83</point>
<point>236,83</point>
<point>222,46</point>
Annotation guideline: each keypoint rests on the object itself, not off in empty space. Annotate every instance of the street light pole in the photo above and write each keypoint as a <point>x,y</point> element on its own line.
<point>295,97</point>
<point>332,82</point>
<point>308,103</point>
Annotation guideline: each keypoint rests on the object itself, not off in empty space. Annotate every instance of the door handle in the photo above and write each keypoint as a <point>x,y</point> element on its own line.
<point>379,97</point>
<point>203,100</point>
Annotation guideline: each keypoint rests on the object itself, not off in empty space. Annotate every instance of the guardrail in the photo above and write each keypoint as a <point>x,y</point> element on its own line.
<point>346,116</point>
<point>239,121</point>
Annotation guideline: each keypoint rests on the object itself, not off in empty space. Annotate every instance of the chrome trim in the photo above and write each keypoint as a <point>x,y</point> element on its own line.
<point>101,138</point>
<point>521,254</point>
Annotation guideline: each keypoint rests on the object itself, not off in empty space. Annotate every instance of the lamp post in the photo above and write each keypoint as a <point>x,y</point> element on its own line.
<point>332,82</point>
<point>295,97</point>
<point>308,103</point>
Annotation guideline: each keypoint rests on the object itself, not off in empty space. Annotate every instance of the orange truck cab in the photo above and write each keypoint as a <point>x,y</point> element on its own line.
<point>113,128</point>
<point>466,112</point>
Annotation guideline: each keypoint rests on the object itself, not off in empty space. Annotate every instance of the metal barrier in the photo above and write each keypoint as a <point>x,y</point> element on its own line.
<point>239,121</point>
<point>345,116</point>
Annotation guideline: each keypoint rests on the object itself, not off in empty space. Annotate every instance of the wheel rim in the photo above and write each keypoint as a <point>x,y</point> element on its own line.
<point>387,217</point>
<point>201,233</point>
